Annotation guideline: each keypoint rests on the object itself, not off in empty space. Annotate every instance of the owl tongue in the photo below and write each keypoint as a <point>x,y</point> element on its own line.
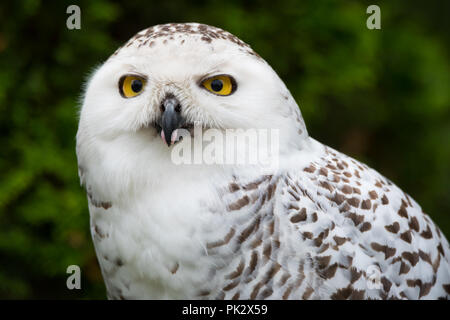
<point>173,138</point>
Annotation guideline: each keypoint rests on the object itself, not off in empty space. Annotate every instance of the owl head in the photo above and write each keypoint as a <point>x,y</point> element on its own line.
<point>176,76</point>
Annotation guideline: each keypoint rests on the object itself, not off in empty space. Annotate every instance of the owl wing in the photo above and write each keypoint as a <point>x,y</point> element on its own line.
<point>334,229</point>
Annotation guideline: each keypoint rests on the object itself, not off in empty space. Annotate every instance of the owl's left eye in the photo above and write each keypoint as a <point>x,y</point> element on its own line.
<point>222,85</point>
<point>131,85</point>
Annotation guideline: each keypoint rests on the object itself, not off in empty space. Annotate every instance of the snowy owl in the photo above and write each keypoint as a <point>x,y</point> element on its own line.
<point>320,225</point>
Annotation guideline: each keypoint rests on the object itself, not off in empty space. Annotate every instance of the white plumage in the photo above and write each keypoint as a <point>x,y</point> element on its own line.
<point>321,226</point>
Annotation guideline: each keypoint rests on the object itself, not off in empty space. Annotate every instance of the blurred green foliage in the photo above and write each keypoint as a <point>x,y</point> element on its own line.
<point>381,96</point>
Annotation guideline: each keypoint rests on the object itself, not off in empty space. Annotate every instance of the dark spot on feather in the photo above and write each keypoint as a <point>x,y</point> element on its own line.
<point>301,216</point>
<point>231,285</point>
<point>227,239</point>
<point>338,198</point>
<point>330,271</point>
<point>346,189</point>
<point>366,226</point>
<point>355,275</point>
<point>402,212</point>
<point>366,204</point>
<point>234,187</point>
<point>356,218</point>
<point>307,293</point>
<point>267,251</point>
<point>119,262</point>
<point>353,202</point>
<point>272,272</point>
<point>322,262</point>
<point>404,268</point>
<point>239,204</point>
<point>307,235</point>
<point>373,195</point>
<point>236,273</point>
<point>253,261</point>
<point>394,228</point>
<point>386,284</point>
<point>388,251</point>
<point>339,240</point>
<point>175,268</point>
<point>287,292</point>
<point>247,231</point>
<point>266,293</point>
<point>323,172</point>
<point>326,185</point>
<point>425,257</point>
<point>427,234</point>
<point>414,224</point>
<point>412,257</point>
<point>342,294</point>
<point>255,291</point>
<point>406,236</point>
<point>446,288</point>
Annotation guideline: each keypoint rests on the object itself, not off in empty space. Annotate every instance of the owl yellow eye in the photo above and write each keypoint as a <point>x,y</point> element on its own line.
<point>130,85</point>
<point>222,85</point>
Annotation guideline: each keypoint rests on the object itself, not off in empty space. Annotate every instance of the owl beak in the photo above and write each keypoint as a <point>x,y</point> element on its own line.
<point>171,119</point>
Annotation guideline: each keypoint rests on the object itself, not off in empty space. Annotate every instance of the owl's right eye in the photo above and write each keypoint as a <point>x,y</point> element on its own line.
<point>131,85</point>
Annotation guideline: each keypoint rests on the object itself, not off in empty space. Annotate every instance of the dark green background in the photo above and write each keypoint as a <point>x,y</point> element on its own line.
<point>381,96</point>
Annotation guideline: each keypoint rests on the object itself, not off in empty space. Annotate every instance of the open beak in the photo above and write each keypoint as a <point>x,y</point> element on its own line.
<point>171,119</point>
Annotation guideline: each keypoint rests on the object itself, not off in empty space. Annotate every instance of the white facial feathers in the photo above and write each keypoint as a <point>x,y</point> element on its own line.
<point>174,59</point>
